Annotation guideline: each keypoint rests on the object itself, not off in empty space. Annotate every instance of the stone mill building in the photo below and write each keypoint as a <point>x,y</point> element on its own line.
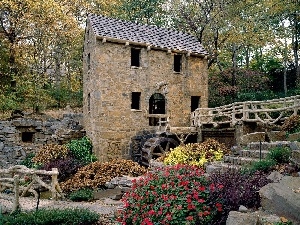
<point>138,78</point>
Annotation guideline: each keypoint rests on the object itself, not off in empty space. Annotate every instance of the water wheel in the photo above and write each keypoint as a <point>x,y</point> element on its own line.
<point>156,147</point>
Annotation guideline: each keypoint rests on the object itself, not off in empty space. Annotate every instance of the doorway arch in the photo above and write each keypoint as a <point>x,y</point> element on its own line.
<point>157,105</point>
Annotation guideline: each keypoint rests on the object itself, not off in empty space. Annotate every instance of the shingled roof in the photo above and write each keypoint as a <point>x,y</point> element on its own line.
<point>145,35</point>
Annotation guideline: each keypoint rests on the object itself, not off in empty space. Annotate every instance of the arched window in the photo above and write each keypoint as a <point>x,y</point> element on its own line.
<point>157,105</point>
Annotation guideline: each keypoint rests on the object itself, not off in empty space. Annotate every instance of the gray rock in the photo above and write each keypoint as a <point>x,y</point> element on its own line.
<point>109,185</point>
<point>213,168</point>
<point>275,176</point>
<point>1,146</point>
<point>281,199</point>
<point>239,218</point>
<point>243,209</point>
<point>109,201</point>
<point>294,145</point>
<point>117,197</point>
<point>269,219</point>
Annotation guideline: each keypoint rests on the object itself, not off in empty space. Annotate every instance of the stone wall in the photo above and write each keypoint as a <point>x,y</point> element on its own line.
<point>109,80</point>
<point>22,136</point>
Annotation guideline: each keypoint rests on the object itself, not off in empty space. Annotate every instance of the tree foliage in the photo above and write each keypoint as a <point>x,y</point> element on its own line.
<point>41,43</point>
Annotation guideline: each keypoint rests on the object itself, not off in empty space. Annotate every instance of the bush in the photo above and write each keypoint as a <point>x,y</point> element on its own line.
<point>52,217</point>
<point>28,161</point>
<point>238,189</point>
<point>96,174</point>
<point>82,195</point>
<point>66,167</point>
<point>197,153</point>
<point>49,153</point>
<point>292,124</point>
<point>280,154</point>
<point>264,166</point>
<point>81,149</point>
<point>172,195</point>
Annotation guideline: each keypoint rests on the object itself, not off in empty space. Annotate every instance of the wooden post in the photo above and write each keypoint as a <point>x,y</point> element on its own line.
<point>54,183</point>
<point>16,203</point>
<point>295,106</point>
<point>233,121</point>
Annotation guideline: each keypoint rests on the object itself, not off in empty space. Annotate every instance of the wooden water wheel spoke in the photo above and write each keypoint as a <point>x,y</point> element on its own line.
<point>168,146</point>
<point>161,149</point>
<point>157,147</point>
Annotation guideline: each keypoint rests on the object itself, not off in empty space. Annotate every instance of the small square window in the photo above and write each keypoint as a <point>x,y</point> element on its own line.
<point>195,103</point>
<point>135,57</point>
<point>135,100</point>
<point>27,137</point>
<point>89,102</point>
<point>177,63</point>
<point>89,61</point>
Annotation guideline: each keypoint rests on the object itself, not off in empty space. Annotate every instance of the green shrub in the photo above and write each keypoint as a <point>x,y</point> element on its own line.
<point>28,161</point>
<point>263,166</point>
<point>196,154</point>
<point>280,154</point>
<point>81,149</point>
<point>82,195</point>
<point>173,195</point>
<point>52,217</point>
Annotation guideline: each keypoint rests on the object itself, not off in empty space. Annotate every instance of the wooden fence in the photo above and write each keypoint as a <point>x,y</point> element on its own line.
<point>21,180</point>
<point>268,112</point>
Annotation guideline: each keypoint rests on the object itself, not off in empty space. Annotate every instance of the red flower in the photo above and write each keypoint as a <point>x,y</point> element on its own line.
<point>218,204</point>
<point>169,216</point>
<point>191,206</point>
<point>201,188</point>
<point>190,218</point>
<point>201,200</point>
<point>206,213</point>
<point>151,212</point>
<point>147,221</point>
<point>220,186</point>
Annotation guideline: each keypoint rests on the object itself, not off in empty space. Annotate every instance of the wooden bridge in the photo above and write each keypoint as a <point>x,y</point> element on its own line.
<point>267,112</point>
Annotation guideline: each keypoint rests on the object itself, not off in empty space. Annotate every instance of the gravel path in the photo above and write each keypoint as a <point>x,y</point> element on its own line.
<point>103,206</point>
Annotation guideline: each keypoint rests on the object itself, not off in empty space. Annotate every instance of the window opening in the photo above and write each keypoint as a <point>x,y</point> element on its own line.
<point>135,57</point>
<point>89,102</point>
<point>195,103</point>
<point>157,105</point>
<point>27,137</point>
<point>177,63</point>
<point>135,100</point>
<point>89,61</point>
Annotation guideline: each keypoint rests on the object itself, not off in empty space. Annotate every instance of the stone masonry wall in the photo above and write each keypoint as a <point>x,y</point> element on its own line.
<point>22,136</point>
<point>109,80</point>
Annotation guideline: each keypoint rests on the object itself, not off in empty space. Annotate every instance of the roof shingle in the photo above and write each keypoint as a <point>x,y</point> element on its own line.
<point>145,34</point>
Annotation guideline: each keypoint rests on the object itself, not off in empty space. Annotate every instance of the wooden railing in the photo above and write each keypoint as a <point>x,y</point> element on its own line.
<point>267,112</point>
<point>21,180</point>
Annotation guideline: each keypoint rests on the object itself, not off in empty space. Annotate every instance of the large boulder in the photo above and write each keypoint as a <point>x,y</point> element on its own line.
<point>238,218</point>
<point>282,198</point>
